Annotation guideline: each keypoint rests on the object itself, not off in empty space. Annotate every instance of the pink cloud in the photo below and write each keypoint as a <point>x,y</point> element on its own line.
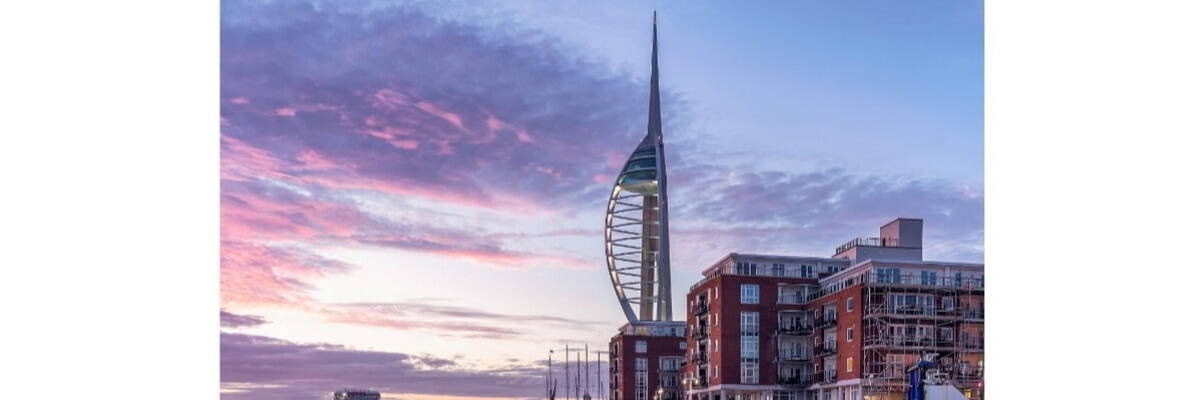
<point>255,274</point>
<point>450,117</point>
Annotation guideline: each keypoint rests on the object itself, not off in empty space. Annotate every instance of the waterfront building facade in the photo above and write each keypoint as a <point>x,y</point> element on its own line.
<point>764,327</point>
<point>645,359</point>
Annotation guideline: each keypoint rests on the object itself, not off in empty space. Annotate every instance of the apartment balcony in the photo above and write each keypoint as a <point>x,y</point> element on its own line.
<point>907,341</point>
<point>825,377</point>
<point>701,309</point>
<point>795,330</point>
<point>790,357</point>
<point>973,314</point>
<point>796,381</point>
<point>701,333</point>
<point>825,350</point>
<point>826,321</point>
<point>911,280</point>
<point>794,298</point>
<point>700,359</point>
<point>973,344</point>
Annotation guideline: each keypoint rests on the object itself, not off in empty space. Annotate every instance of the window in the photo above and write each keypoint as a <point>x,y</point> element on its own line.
<point>745,268</point>
<point>928,278</point>
<point>849,364</point>
<point>749,372</point>
<point>750,348</point>
<point>806,271</point>
<point>887,275</point>
<point>750,294</point>
<point>683,345</point>
<point>948,303</point>
<point>777,269</point>
<point>749,323</point>
<point>668,364</point>
<point>850,304</point>
<point>639,346</point>
<point>641,364</point>
<point>850,334</point>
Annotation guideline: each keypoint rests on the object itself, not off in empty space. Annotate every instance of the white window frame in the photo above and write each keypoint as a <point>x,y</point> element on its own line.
<point>639,346</point>
<point>750,323</point>
<point>750,372</point>
<point>751,293</point>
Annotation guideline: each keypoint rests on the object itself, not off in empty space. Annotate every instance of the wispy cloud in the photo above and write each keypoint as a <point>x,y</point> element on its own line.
<point>259,367</point>
<point>735,208</point>
<point>231,320</point>
<point>448,320</point>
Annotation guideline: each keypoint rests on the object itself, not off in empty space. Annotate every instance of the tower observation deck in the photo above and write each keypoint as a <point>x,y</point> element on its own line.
<point>636,241</point>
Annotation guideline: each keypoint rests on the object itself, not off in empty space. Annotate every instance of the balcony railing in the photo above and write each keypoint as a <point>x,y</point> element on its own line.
<point>973,313</point>
<point>795,330</point>
<point>700,358</point>
<point>825,377</point>
<point>733,269</point>
<point>826,321</point>
<point>701,333</point>
<point>825,350</point>
<point>701,309</point>
<point>868,241</point>
<point>911,279</point>
<point>794,356</point>
<point>794,298</point>
<point>796,380</point>
<point>905,341</point>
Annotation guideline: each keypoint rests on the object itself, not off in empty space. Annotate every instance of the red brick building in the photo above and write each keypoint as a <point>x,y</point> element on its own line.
<point>645,359</point>
<point>845,327</point>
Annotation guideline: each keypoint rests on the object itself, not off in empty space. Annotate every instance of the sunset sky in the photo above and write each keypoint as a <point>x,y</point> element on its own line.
<point>412,194</point>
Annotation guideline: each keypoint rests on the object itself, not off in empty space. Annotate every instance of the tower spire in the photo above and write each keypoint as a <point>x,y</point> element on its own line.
<point>654,125</point>
<point>654,128</point>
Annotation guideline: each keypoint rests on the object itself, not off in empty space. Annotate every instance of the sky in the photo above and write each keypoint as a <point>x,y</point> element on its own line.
<point>412,193</point>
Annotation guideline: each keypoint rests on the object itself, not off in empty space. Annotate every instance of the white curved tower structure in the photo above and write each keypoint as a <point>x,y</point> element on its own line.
<point>636,240</point>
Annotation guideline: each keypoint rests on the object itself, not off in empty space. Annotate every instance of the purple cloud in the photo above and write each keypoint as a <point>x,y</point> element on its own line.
<point>396,101</point>
<point>258,367</point>
<point>231,320</point>
<point>732,209</point>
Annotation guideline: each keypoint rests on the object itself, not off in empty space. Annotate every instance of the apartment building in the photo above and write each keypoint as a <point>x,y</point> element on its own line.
<point>645,358</point>
<point>764,327</point>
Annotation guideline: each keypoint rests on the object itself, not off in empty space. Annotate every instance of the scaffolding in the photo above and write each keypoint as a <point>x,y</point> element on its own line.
<point>906,317</point>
